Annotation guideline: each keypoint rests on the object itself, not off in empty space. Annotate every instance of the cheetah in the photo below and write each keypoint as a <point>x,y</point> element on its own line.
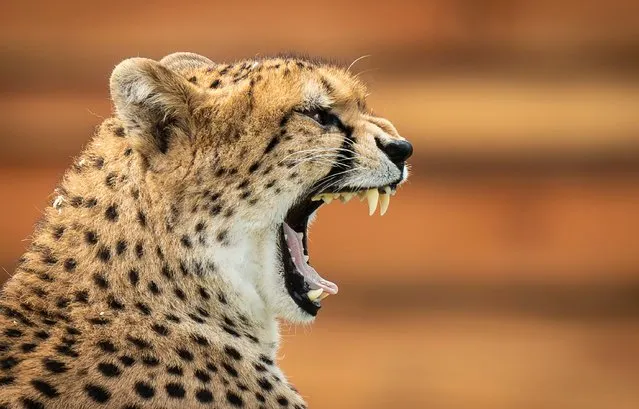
<point>178,238</point>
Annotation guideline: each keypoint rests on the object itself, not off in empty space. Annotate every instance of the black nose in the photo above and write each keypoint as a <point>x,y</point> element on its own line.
<point>397,151</point>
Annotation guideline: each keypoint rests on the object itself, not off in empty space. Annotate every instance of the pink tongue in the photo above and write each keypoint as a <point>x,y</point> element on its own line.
<point>296,249</point>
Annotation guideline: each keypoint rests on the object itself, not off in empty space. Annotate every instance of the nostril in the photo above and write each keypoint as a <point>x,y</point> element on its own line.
<point>398,151</point>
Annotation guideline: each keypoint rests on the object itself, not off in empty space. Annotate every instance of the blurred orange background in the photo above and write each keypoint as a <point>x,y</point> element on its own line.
<point>506,272</point>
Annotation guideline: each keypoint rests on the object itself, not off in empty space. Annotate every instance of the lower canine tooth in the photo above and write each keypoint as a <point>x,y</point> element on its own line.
<point>324,295</point>
<point>306,258</point>
<point>372,195</point>
<point>314,294</point>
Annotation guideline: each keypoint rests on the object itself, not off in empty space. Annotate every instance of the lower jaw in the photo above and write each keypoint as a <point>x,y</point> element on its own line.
<point>295,284</point>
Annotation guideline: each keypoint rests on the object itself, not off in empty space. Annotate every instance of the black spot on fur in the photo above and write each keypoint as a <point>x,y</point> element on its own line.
<point>115,304</point>
<point>172,318</point>
<point>107,346</point>
<point>215,84</point>
<point>255,166</point>
<point>119,132</point>
<point>91,237</point>
<point>202,376</point>
<point>104,254</point>
<point>111,179</point>
<point>150,361</point>
<point>82,296</point>
<point>7,380</point>
<point>175,390</point>
<point>204,396</point>
<point>58,232</point>
<point>175,370</point>
<point>265,384</point>
<point>8,362</point>
<point>193,80</point>
<point>100,281</point>
<point>186,242</point>
<point>230,369</point>
<point>144,390</point>
<point>222,235</point>
<point>13,333</point>
<point>134,277</point>
<point>69,265</point>
<point>98,393</point>
<point>234,399</point>
<point>153,287</point>
<point>99,321</point>
<point>215,210</point>
<point>109,370</point>
<point>111,213</point>
<point>179,293</point>
<point>42,335</point>
<point>120,247</point>
<point>28,347</point>
<point>160,329</point>
<point>203,293</point>
<point>55,366</point>
<point>144,309</point>
<point>230,331</point>
<point>45,388</point>
<point>29,403</point>
<point>139,343</point>
<point>126,360</point>
<point>167,272</point>
<point>232,352</point>
<point>266,360</point>
<point>200,340</point>
<point>142,218</point>
<point>76,201</point>
<point>272,144</point>
<point>282,401</point>
<point>186,355</point>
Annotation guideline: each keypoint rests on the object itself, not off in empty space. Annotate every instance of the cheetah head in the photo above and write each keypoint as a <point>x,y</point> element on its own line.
<point>260,146</point>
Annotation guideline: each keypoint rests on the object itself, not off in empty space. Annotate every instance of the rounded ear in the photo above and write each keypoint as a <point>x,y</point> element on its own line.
<point>185,61</point>
<point>150,99</point>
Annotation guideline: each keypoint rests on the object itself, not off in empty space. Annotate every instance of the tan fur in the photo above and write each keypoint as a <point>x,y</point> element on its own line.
<point>121,285</point>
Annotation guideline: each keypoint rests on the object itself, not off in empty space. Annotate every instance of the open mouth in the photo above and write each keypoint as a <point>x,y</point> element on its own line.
<point>304,284</point>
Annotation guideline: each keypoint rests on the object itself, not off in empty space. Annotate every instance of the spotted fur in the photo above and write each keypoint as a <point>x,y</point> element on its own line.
<point>153,279</point>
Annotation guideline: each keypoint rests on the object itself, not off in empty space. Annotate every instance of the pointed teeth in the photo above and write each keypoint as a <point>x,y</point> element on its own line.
<point>316,198</point>
<point>327,198</point>
<point>314,294</point>
<point>324,295</point>
<point>346,197</point>
<point>306,258</point>
<point>372,195</point>
<point>384,201</point>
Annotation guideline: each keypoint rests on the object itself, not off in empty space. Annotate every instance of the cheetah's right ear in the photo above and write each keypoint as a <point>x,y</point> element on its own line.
<point>154,103</point>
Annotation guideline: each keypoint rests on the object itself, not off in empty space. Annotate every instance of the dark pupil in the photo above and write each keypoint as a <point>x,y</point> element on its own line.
<point>320,116</point>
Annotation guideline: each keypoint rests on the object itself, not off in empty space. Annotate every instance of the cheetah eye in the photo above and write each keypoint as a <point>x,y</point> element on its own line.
<point>321,116</point>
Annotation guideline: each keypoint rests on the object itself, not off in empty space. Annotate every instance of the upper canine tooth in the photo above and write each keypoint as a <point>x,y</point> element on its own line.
<point>316,198</point>
<point>306,258</point>
<point>372,195</point>
<point>384,201</point>
<point>314,294</point>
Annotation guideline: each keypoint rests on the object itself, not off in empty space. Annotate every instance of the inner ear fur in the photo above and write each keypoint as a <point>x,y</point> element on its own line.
<point>184,61</point>
<point>152,101</point>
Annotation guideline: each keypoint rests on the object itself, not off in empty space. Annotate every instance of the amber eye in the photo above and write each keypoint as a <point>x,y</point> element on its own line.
<point>321,116</point>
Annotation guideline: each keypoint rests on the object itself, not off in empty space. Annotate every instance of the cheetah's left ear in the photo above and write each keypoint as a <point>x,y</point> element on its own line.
<point>185,61</point>
<point>153,102</point>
